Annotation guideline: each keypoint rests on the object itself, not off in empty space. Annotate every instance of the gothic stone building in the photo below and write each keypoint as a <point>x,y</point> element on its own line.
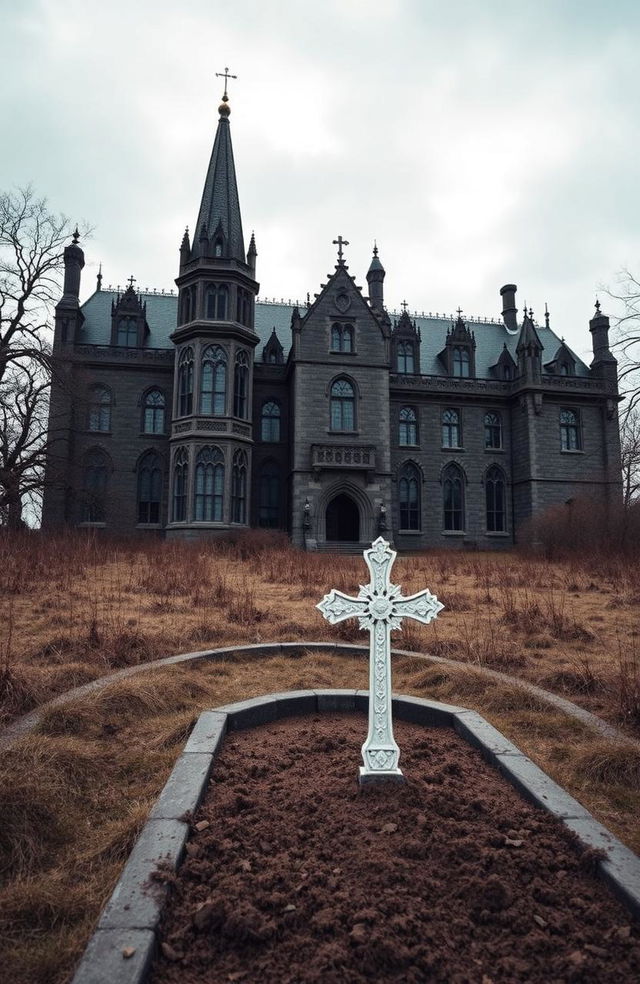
<point>208,411</point>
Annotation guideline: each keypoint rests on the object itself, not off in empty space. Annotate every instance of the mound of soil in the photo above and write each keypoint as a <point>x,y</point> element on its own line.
<point>297,875</point>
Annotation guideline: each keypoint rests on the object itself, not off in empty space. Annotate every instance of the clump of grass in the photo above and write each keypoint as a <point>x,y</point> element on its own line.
<point>614,763</point>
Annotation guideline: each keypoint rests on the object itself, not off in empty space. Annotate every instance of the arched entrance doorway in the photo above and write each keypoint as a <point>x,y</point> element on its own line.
<point>343,519</point>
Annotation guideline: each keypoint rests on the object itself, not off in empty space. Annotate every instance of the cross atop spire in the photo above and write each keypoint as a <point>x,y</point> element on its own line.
<point>132,281</point>
<point>404,305</point>
<point>226,76</point>
<point>459,312</point>
<point>340,242</point>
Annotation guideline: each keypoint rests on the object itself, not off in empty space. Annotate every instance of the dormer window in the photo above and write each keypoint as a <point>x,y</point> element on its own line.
<point>405,358</point>
<point>461,362</point>
<point>565,369</point>
<point>127,331</point>
<point>217,248</point>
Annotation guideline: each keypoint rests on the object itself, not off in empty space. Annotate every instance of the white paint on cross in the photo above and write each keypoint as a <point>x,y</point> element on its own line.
<point>380,608</point>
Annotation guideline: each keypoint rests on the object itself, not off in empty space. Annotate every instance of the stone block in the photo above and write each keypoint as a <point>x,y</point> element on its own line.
<point>207,735</point>
<point>249,713</point>
<point>292,702</point>
<point>184,788</point>
<point>621,869</point>
<point>103,961</point>
<point>137,899</point>
<point>417,710</point>
<point>482,735</point>
<point>538,787</point>
<point>336,700</point>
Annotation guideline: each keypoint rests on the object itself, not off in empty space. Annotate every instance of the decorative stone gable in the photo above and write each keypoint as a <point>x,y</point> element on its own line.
<point>458,357</point>
<point>563,362</point>
<point>273,353</point>
<point>505,368</point>
<point>405,345</point>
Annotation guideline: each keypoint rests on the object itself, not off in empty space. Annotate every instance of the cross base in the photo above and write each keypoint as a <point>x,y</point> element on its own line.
<point>367,778</point>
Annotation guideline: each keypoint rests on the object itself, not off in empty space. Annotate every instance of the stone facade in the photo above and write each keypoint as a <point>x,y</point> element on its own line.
<point>206,411</point>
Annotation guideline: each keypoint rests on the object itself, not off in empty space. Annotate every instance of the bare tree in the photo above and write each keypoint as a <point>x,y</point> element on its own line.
<point>630,453</point>
<point>626,341</point>
<point>32,240</point>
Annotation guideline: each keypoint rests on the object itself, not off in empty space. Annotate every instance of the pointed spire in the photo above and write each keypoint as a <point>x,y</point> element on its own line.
<point>220,206</point>
<point>99,278</point>
<point>546,315</point>
<point>375,280</point>
<point>252,245</point>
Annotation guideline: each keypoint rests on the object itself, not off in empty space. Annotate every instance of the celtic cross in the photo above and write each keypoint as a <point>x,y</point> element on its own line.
<point>380,607</point>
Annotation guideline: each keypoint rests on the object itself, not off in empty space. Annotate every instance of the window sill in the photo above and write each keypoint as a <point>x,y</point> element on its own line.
<point>344,433</point>
<point>338,352</point>
<point>102,433</point>
<point>149,526</point>
<point>409,532</point>
<point>494,450</point>
<point>151,435</point>
<point>571,451</point>
<point>408,446</point>
<point>498,533</point>
<point>451,449</point>
<point>457,533</point>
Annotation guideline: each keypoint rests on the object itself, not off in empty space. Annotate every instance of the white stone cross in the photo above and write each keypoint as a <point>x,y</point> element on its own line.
<point>380,608</point>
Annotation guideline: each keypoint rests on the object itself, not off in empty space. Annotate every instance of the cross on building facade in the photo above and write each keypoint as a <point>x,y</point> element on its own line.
<point>380,608</point>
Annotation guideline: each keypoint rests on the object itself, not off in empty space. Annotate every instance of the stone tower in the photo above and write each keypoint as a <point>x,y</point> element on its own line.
<point>211,433</point>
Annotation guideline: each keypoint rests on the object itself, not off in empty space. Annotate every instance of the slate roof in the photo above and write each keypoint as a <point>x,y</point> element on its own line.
<point>162,312</point>
<point>220,204</point>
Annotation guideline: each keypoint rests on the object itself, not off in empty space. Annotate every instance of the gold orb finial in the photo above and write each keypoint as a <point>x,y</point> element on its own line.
<point>224,109</point>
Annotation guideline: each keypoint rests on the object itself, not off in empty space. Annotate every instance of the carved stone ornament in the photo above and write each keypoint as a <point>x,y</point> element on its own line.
<point>343,302</point>
<point>380,608</point>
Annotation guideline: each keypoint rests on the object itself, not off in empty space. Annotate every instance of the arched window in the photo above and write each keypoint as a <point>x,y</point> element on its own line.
<point>492,430</point>
<point>217,302</point>
<point>405,358</point>
<point>461,362</point>
<point>217,247</point>
<point>336,332</point>
<point>507,372</point>
<point>343,406</point>
<point>127,331</point>
<point>185,310</point>
<point>153,409</point>
<point>239,488</point>
<point>565,369</point>
<point>99,409</point>
<point>494,488</point>
<point>270,422</point>
<point>409,497</point>
<point>209,485</point>
<point>570,430</point>
<point>453,499</point>
<point>185,382</point>
<point>180,480</point>
<point>95,480</point>
<point>451,429</point>
<point>269,496</point>
<point>243,307</point>
<point>149,488</point>
<point>213,381</point>
<point>408,430</point>
<point>341,338</point>
<point>241,385</point>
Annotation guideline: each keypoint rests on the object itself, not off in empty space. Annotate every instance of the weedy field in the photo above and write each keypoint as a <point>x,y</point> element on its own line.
<point>74,795</point>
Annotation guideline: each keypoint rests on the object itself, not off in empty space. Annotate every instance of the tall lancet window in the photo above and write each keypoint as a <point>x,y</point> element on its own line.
<point>213,381</point>
<point>185,382</point>
<point>241,385</point>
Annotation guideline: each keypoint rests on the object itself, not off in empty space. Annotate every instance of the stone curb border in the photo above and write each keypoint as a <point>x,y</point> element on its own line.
<point>28,722</point>
<point>130,919</point>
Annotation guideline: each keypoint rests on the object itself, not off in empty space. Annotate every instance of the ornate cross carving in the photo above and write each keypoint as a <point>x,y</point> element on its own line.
<point>380,607</point>
<point>340,242</point>
<point>226,76</point>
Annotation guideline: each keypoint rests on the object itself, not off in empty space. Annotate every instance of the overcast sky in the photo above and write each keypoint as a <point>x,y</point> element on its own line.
<point>479,143</point>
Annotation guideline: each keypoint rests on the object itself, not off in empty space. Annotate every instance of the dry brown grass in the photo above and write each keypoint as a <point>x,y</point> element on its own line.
<point>75,794</point>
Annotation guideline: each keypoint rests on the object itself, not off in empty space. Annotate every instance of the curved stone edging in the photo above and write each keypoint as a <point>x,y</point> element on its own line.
<point>28,722</point>
<point>131,917</point>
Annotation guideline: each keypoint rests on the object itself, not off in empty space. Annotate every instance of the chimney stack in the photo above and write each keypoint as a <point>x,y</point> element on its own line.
<point>509,309</point>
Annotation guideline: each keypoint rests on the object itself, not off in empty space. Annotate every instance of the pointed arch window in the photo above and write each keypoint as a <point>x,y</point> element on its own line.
<point>239,488</point>
<point>241,385</point>
<point>269,495</point>
<point>461,362</point>
<point>492,430</point>
<point>218,246</point>
<point>405,358</point>
<point>99,409</point>
<point>451,429</point>
<point>243,307</point>
<point>341,338</point>
<point>343,406</point>
<point>213,381</point>
<point>270,422</point>
<point>409,497</point>
<point>127,334</point>
<point>153,411</point>
<point>453,499</point>
<point>495,500</point>
<point>149,488</point>
<point>180,483</point>
<point>570,430</point>
<point>408,427</point>
<point>217,302</point>
<point>209,485</point>
<point>185,382</point>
